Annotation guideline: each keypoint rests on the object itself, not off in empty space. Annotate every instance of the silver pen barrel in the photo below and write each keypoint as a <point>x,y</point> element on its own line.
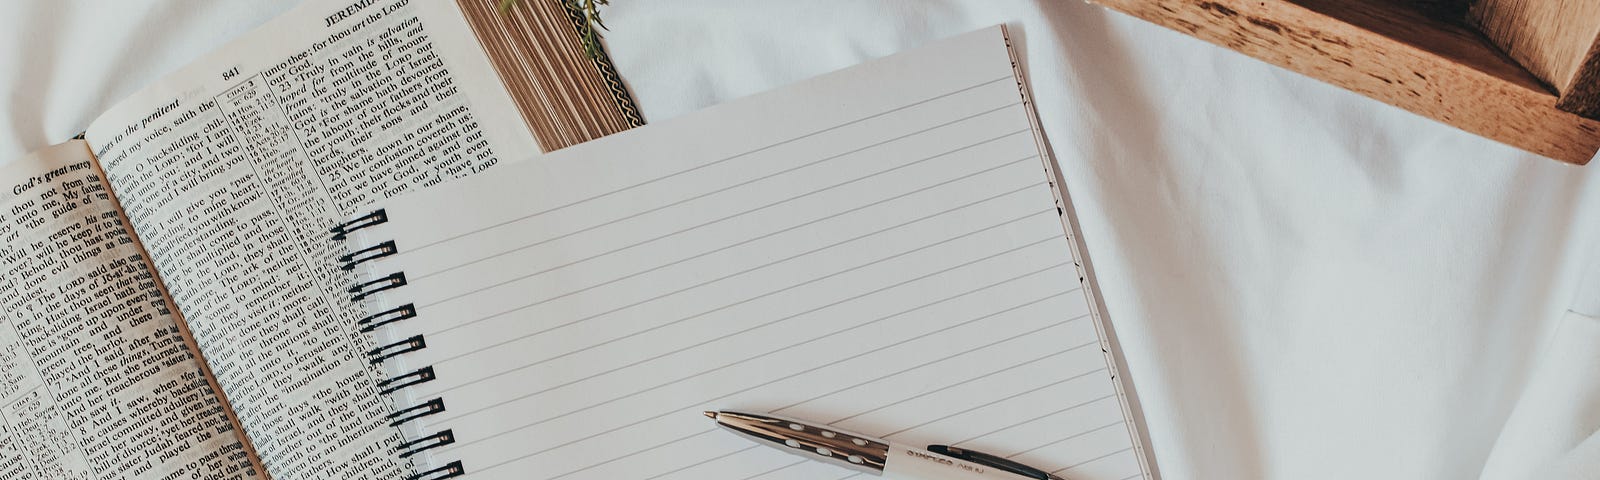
<point>842,448</point>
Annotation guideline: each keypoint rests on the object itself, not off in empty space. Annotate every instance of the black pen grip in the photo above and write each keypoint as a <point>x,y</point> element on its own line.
<point>990,461</point>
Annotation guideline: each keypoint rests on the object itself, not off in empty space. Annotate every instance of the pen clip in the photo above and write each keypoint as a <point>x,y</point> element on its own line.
<point>992,461</point>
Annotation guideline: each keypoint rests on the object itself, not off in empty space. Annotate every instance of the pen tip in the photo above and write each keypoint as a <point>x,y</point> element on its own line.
<point>711,415</point>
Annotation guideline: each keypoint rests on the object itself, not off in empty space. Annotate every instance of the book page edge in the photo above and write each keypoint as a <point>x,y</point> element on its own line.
<point>1126,394</point>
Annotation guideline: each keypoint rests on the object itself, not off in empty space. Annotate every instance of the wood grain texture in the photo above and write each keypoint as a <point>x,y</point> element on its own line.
<point>1583,95</point>
<point>1556,40</point>
<point>1392,52</point>
<point>1442,8</point>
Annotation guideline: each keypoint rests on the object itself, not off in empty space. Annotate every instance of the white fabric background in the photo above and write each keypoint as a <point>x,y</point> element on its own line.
<point>1307,283</point>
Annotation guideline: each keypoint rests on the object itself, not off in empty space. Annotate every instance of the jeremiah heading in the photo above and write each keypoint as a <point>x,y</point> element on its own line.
<point>348,11</point>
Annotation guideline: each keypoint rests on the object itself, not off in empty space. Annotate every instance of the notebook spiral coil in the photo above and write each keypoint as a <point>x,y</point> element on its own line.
<point>363,289</point>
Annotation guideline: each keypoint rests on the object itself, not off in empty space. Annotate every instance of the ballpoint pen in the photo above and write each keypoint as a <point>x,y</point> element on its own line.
<point>873,455</point>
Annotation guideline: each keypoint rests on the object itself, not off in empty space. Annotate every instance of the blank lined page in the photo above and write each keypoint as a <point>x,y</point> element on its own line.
<point>878,248</point>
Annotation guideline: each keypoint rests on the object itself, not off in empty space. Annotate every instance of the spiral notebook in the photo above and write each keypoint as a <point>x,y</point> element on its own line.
<point>883,248</point>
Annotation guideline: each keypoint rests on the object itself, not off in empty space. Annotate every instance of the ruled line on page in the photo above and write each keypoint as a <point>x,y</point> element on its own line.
<point>703,462</point>
<point>714,429</point>
<point>725,218</point>
<point>768,264</point>
<point>887,436</point>
<point>785,348</point>
<point>775,470</point>
<point>721,190</point>
<point>1086,462</point>
<point>1063,439</point>
<point>860,384</point>
<point>950,386</point>
<point>772,322</point>
<point>731,157</point>
<point>788,287</point>
<point>946,417</point>
<point>1036,418</point>
<point>891,435</point>
<point>746,300</point>
<point>777,290</point>
<point>679,409</point>
<point>979,376</point>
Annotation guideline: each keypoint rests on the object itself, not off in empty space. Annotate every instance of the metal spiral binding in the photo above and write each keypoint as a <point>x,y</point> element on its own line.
<point>350,260</point>
<point>413,447</point>
<point>342,230</point>
<point>429,407</point>
<point>372,322</point>
<point>378,355</point>
<point>452,469</point>
<point>416,377</point>
<point>365,289</point>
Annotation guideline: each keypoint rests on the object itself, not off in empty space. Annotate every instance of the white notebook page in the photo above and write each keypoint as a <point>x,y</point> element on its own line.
<point>877,248</point>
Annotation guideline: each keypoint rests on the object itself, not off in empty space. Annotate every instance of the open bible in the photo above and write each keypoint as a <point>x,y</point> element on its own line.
<point>171,308</point>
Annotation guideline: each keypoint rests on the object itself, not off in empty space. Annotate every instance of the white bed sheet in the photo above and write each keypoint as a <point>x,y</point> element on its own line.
<point>1307,283</point>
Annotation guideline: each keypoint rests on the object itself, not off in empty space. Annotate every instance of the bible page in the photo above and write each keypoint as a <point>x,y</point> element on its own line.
<point>879,248</point>
<point>96,380</point>
<point>231,169</point>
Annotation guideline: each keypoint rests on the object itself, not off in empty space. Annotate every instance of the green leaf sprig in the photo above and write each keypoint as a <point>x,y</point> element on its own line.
<point>592,24</point>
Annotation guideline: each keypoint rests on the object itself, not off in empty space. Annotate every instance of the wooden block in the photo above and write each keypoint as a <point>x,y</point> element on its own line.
<point>1556,40</point>
<point>1393,52</point>
<point>1442,8</point>
<point>1583,97</point>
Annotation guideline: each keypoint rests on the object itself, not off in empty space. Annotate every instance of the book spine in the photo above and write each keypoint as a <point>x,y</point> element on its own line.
<point>567,94</point>
<point>411,448</point>
<point>602,63</point>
